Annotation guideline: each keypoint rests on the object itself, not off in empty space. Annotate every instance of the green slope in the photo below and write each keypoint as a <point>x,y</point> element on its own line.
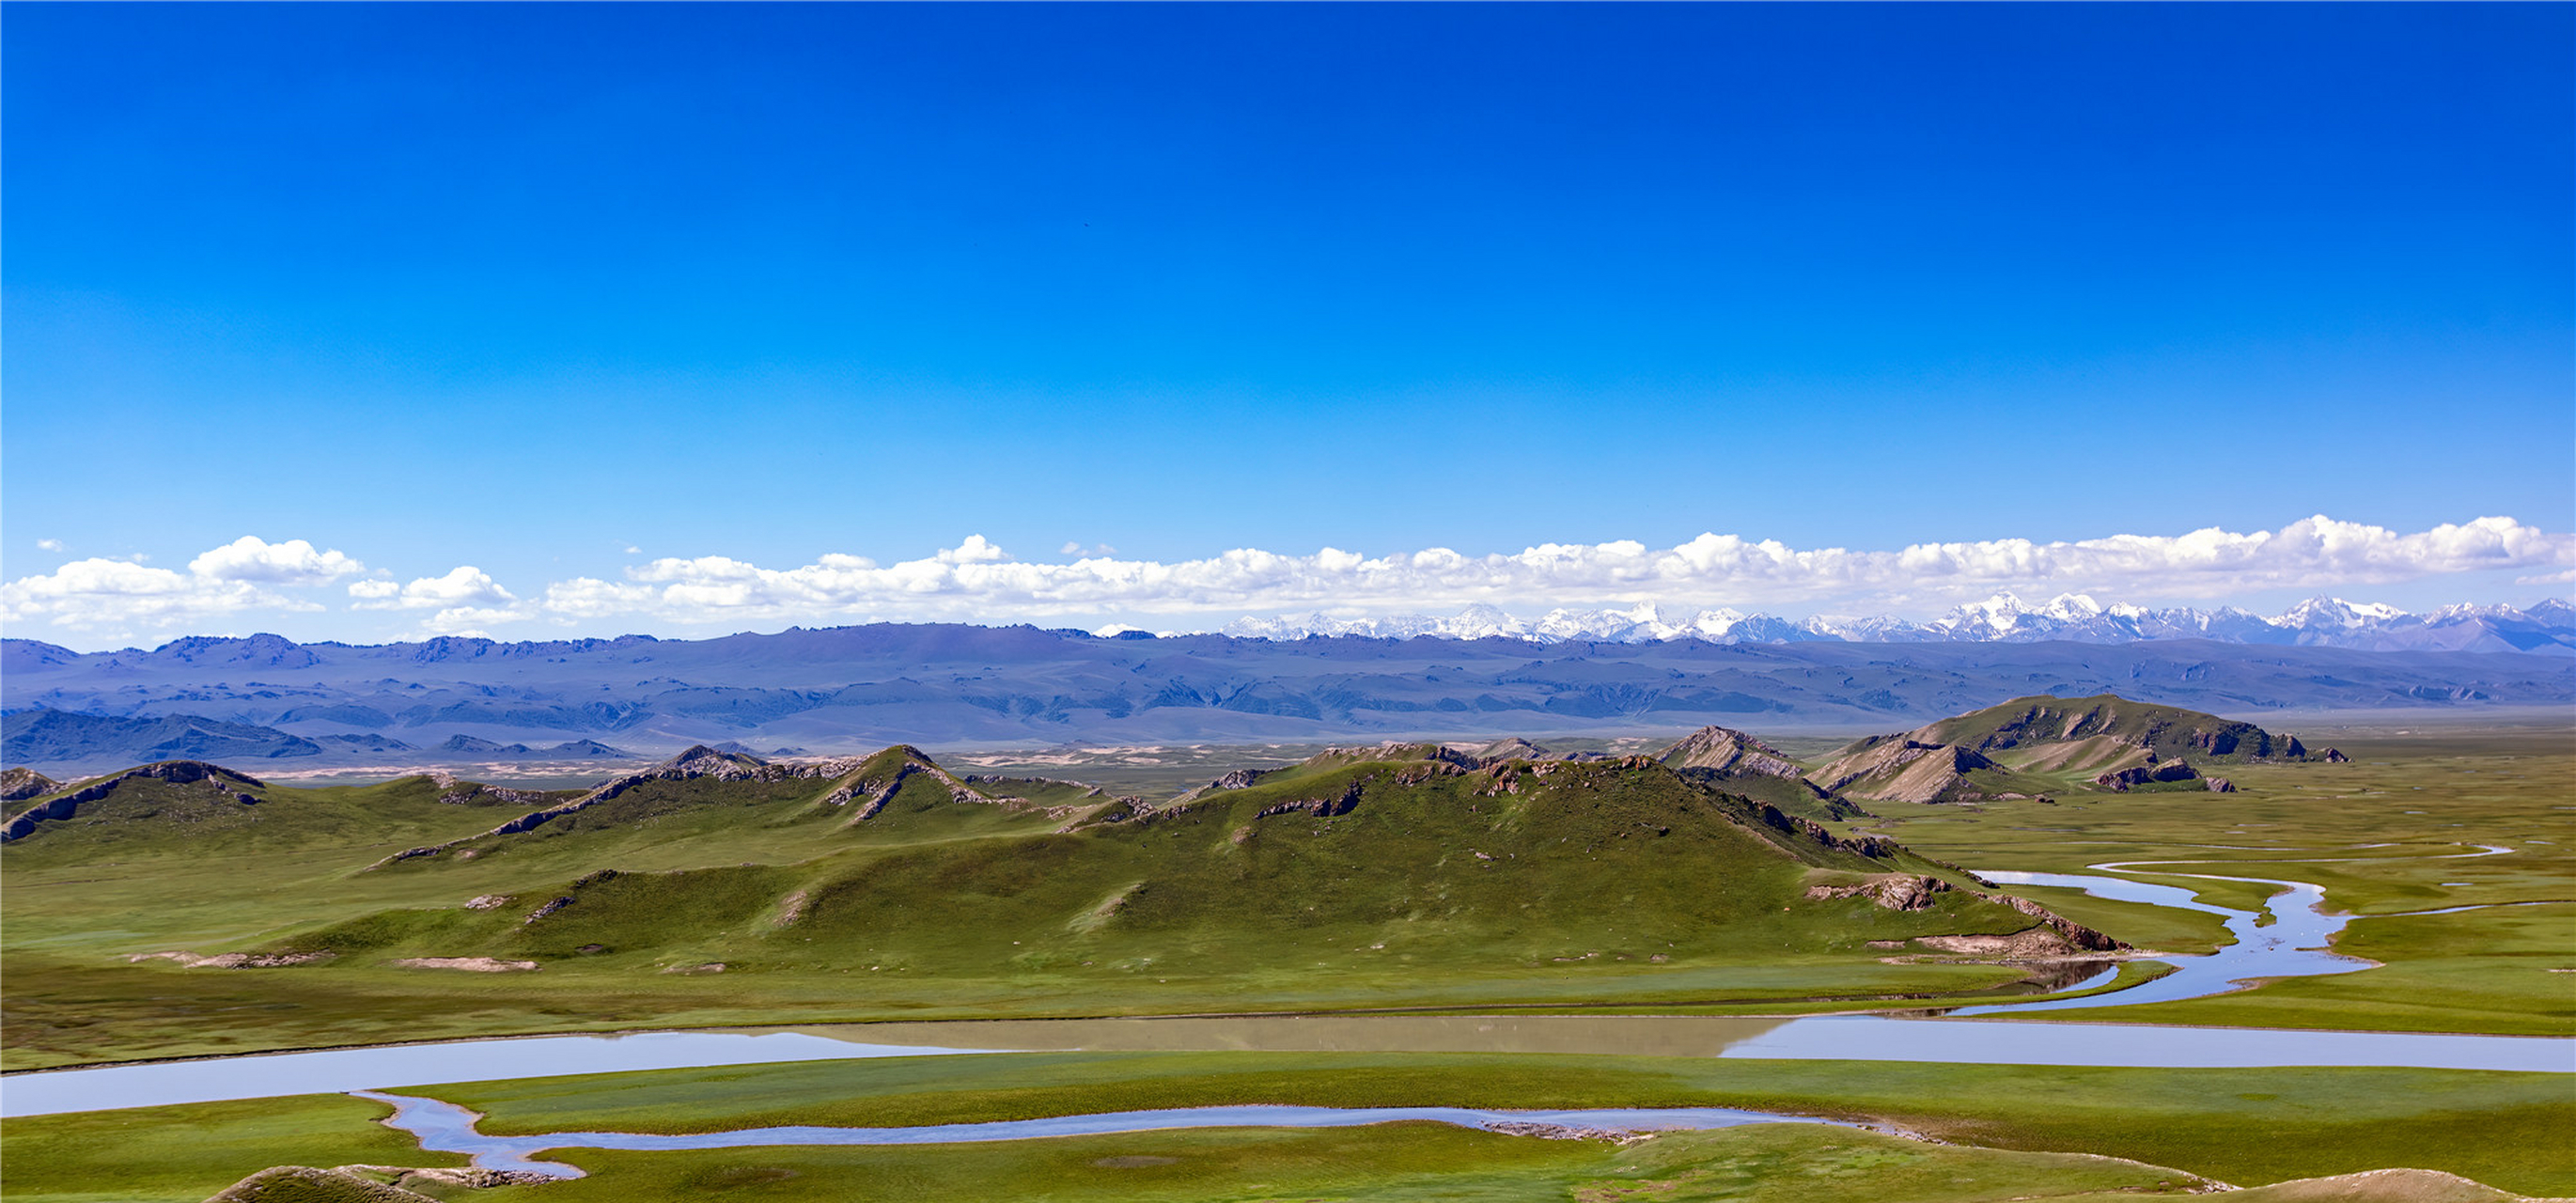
<point>1415,862</point>
<point>887,887</point>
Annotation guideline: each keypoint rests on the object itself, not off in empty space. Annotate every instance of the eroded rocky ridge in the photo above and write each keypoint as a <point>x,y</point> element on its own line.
<point>234,786</point>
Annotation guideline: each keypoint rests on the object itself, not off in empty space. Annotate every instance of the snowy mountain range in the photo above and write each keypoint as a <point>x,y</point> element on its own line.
<point>2548,628</point>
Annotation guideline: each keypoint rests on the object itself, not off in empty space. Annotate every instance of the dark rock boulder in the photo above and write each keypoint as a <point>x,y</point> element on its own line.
<point>2123,780</point>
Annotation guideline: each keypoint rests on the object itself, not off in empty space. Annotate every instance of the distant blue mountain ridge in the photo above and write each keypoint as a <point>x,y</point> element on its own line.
<point>956,686</point>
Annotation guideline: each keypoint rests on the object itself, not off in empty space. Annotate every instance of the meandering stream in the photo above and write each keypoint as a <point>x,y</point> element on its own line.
<point>447,1128</point>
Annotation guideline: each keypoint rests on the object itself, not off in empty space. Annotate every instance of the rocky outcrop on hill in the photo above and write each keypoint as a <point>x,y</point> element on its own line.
<point>176,772</point>
<point>1330,757</point>
<point>305,1184</point>
<point>232,960</point>
<point>21,783</point>
<point>872,791</point>
<point>2053,936</point>
<point>1339,803</point>
<point>1901,769</point>
<point>1901,892</point>
<point>1232,780</point>
<point>349,1183</point>
<point>1767,815</point>
<point>2123,780</point>
<point>1731,752</point>
<point>453,792</point>
<point>2075,934</point>
<point>1515,748</point>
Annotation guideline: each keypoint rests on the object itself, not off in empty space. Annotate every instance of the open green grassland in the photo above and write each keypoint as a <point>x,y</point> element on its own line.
<point>925,897</point>
<point>2014,1132</point>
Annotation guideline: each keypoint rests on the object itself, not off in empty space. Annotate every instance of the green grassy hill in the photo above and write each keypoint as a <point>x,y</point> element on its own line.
<point>2105,731</point>
<point>886,886</point>
<point>1417,861</point>
<point>2034,746</point>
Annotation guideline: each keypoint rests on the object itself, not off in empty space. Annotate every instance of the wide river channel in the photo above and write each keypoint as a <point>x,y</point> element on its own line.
<point>2287,939</point>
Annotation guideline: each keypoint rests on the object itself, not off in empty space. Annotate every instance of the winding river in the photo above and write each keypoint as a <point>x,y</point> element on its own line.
<point>2285,939</point>
<point>447,1128</point>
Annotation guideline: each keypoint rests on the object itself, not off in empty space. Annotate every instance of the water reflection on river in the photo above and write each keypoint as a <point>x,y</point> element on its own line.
<point>1643,1036</point>
<point>1822,1037</point>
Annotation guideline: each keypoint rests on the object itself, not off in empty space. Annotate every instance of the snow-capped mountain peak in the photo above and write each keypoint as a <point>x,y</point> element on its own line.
<point>2336,613</point>
<point>2548,627</point>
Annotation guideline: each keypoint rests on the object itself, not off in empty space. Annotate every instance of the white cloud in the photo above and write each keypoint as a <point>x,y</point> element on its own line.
<point>50,544</point>
<point>470,620</point>
<point>463,586</point>
<point>293,563</point>
<point>101,594</point>
<point>976,581</point>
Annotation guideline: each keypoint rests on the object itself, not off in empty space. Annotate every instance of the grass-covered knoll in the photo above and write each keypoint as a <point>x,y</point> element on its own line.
<point>889,888</point>
<point>2401,828</point>
<point>2103,730</point>
<point>2241,1126</point>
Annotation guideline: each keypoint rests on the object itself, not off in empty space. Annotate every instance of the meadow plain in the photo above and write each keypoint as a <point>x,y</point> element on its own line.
<point>2409,825</point>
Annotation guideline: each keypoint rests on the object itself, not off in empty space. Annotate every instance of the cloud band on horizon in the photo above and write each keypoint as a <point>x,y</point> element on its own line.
<point>977,581</point>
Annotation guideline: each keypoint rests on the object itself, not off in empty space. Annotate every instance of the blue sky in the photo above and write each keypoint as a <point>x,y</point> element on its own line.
<point>521,287</point>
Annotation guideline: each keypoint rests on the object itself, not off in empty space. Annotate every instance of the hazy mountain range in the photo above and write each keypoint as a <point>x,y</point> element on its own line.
<point>845,689</point>
<point>2549,627</point>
